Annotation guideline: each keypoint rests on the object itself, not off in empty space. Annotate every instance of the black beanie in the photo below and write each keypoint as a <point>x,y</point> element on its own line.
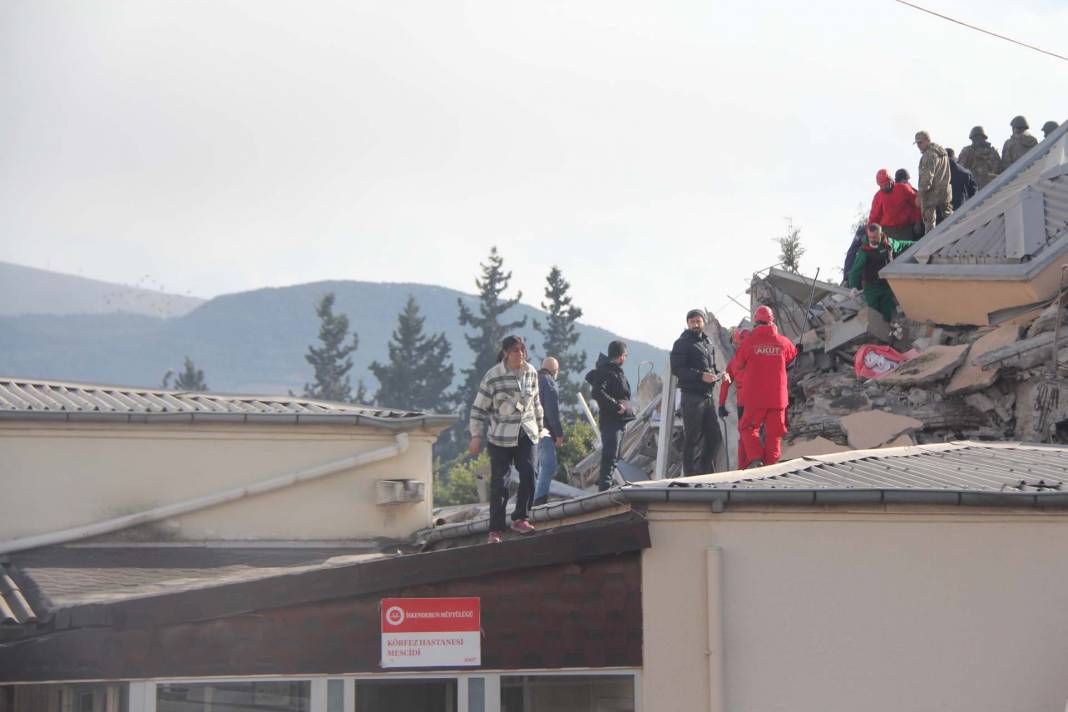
<point>696,312</point>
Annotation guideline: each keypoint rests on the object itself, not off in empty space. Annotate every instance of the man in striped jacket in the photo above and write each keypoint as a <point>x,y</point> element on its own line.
<point>507,406</point>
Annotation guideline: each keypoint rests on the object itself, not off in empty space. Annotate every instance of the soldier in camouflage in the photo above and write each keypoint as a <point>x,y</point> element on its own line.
<point>933,195</point>
<point>1018,144</point>
<point>1048,128</point>
<point>980,158</point>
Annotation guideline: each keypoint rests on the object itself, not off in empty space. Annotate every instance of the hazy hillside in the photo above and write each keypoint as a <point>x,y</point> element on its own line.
<point>247,342</point>
<point>27,290</point>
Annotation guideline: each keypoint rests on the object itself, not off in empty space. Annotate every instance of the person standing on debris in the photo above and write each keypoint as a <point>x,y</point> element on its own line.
<point>933,194</point>
<point>894,207</point>
<point>876,253</point>
<point>611,390</point>
<point>553,435</point>
<point>1018,144</point>
<point>508,407</point>
<point>693,362</point>
<point>735,375</point>
<point>962,181</point>
<point>981,158</point>
<point>764,357</point>
<point>1048,128</point>
<point>859,237</point>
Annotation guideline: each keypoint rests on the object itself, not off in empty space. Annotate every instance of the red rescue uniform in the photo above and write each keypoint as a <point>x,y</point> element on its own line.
<point>763,358</point>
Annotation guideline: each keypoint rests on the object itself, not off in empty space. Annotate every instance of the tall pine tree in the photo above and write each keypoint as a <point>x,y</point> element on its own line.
<point>418,374</point>
<point>559,336</point>
<point>332,360</point>
<point>488,328</point>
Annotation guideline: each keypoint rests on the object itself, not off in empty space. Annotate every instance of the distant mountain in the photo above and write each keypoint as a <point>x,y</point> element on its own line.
<point>27,290</point>
<point>252,342</point>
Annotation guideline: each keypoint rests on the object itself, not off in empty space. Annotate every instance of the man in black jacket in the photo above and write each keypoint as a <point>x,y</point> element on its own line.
<point>961,181</point>
<point>611,390</point>
<point>693,362</point>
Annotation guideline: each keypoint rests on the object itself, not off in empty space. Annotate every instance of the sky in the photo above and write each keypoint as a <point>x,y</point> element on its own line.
<point>653,151</point>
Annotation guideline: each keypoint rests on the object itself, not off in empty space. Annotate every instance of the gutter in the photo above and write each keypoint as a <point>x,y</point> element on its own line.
<point>720,498</point>
<point>391,424</point>
<point>399,446</point>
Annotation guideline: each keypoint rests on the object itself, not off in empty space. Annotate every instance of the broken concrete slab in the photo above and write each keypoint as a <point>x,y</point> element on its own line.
<point>809,447</point>
<point>872,428</point>
<point>971,376</point>
<point>932,365</point>
<point>900,441</point>
<point>868,326</point>
<point>803,289</point>
<point>1047,320</point>
<point>1020,354</point>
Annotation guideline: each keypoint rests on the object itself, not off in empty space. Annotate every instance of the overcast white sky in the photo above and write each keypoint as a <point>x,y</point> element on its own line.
<point>651,149</point>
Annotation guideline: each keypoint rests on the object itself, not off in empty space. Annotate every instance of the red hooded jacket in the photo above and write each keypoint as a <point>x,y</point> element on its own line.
<point>763,358</point>
<point>895,209</point>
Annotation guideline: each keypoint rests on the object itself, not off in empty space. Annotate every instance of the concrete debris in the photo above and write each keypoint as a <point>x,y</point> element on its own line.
<point>868,326</point>
<point>810,447</point>
<point>934,364</point>
<point>872,428</point>
<point>971,376</point>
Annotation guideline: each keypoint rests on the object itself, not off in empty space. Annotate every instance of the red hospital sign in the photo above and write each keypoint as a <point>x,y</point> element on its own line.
<point>431,632</point>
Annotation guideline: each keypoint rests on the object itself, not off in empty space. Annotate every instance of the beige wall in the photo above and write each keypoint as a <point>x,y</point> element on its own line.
<point>840,612</point>
<point>67,475</point>
<point>949,301</point>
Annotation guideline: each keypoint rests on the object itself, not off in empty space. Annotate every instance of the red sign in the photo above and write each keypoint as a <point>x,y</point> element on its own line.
<point>431,632</point>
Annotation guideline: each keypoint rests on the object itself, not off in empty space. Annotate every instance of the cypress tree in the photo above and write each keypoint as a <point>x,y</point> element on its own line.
<point>418,374</point>
<point>559,336</point>
<point>332,360</point>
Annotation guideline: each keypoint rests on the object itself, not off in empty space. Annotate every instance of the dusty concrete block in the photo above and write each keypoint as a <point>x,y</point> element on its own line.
<point>810,447</point>
<point>971,376</point>
<point>981,402</point>
<point>917,397</point>
<point>900,441</point>
<point>936,363</point>
<point>1047,320</point>
<point>811,340</point>
<point>872,428</point>
<point>868,326</point>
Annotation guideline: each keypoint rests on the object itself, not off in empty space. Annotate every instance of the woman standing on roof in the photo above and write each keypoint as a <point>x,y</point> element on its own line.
<point>507,406</point>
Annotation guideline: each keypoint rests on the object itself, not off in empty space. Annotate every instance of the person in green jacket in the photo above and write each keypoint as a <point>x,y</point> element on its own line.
<point>873,255</point>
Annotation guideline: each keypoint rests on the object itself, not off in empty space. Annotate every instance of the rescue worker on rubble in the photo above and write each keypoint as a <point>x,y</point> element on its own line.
<point>734,375</point>
<point>894,206</point>
<point>1018,144</point>
<point>763,358</point>
<point>875,254</point>
<point>1048,128</point>
<point>693,362</point>
<point>962,181</point>
<point>932,191</point>
<point>981,158</point>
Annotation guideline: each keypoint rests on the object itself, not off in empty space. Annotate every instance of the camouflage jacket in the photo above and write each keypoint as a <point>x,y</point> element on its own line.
<point>1016,146</point>
<point>982,160</point>
<point>933,184</point>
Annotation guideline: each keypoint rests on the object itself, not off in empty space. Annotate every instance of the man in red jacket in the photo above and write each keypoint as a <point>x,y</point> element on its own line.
<point>894,207</point>
<point>734,376</point>
<point>764,357</point>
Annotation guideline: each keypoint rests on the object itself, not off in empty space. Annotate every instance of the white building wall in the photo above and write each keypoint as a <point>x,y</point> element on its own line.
<point>826,612</point>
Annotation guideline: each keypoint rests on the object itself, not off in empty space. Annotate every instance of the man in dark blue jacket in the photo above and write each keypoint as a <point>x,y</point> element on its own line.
<point>553,435</point>
<point>962,181</point>
<point>611,390</point>
<point>693,362</point>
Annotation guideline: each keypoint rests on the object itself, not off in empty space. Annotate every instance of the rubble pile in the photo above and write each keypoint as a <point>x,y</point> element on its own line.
<point>995,382</point>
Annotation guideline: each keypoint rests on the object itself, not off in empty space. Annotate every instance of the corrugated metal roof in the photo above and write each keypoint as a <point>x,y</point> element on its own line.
<point>980,236</point>
<point>950,467</point>
<point>14,608</point>
<point>52,400</point>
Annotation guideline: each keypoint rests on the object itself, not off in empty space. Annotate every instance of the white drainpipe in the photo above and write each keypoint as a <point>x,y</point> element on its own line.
<point>88,531</point>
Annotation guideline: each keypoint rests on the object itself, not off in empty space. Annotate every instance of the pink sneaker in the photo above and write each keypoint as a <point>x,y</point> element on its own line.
<point>494,538</point>
<point>522,526</point>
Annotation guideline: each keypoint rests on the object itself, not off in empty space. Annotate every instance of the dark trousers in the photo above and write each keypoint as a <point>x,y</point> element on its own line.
<point>611,433</point>
<point>701,434</point>
<point>501,461</point>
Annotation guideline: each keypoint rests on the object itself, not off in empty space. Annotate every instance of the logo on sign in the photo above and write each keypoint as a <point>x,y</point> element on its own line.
<point>395,615</point>
<point>767,350</point>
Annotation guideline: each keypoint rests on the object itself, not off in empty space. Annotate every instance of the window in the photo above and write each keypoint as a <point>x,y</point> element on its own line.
<point>396,695</point>
<point>567,693</point>
<point>234,697</point>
